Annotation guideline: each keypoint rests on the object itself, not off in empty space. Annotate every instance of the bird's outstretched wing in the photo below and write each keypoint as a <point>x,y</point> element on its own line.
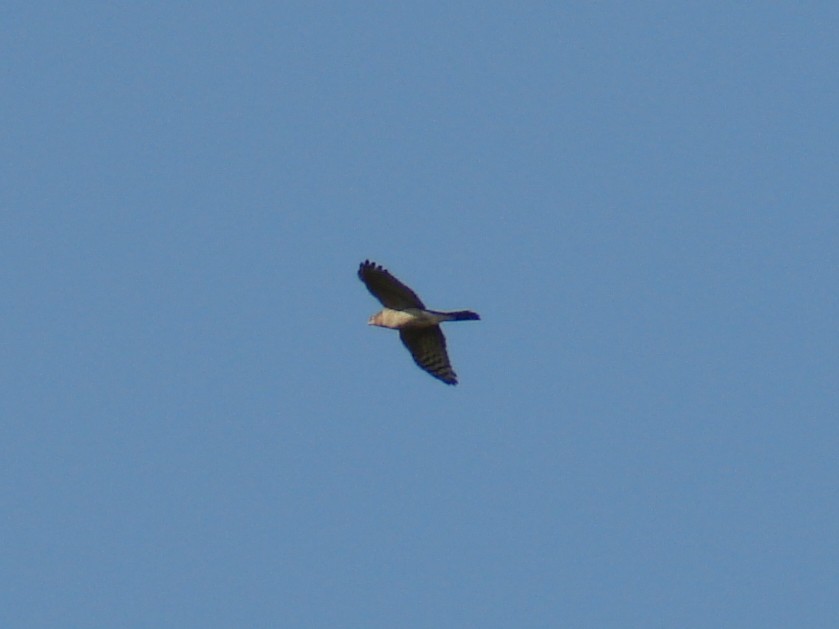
<point>386,288</point>
<point>428,347</point>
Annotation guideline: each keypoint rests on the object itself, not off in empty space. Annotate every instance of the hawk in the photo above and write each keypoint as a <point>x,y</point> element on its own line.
<point>418,327</point>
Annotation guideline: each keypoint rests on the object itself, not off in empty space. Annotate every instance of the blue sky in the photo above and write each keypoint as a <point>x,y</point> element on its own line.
<point>200,430</point>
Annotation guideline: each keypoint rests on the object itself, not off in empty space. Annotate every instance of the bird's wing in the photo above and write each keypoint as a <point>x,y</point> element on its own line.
<point>386,288</point>
<point>428,347</point>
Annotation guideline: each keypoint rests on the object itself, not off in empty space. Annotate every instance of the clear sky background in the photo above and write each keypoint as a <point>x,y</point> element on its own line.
<point>200,430</point>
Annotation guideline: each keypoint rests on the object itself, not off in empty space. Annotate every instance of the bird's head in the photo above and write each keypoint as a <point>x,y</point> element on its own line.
<point>376,319</point>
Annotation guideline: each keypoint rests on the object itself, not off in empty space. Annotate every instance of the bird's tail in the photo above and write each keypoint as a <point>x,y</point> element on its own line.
<point>464,315</point>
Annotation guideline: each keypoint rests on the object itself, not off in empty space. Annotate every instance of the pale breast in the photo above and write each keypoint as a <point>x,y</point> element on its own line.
<point>398,319</point>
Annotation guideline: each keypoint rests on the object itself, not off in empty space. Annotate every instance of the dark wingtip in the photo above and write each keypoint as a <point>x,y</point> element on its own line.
<point>367,264</point>
<point>364,266</point>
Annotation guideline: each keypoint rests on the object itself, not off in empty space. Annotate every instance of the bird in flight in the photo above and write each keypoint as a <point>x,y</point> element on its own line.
<point>418,327</point>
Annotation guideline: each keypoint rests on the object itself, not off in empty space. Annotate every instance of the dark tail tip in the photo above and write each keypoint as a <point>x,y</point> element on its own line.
<point>466,315</point>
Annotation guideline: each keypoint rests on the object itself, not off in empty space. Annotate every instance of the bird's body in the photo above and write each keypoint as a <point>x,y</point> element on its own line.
<point>416,318</point>
<point>418,327</point>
